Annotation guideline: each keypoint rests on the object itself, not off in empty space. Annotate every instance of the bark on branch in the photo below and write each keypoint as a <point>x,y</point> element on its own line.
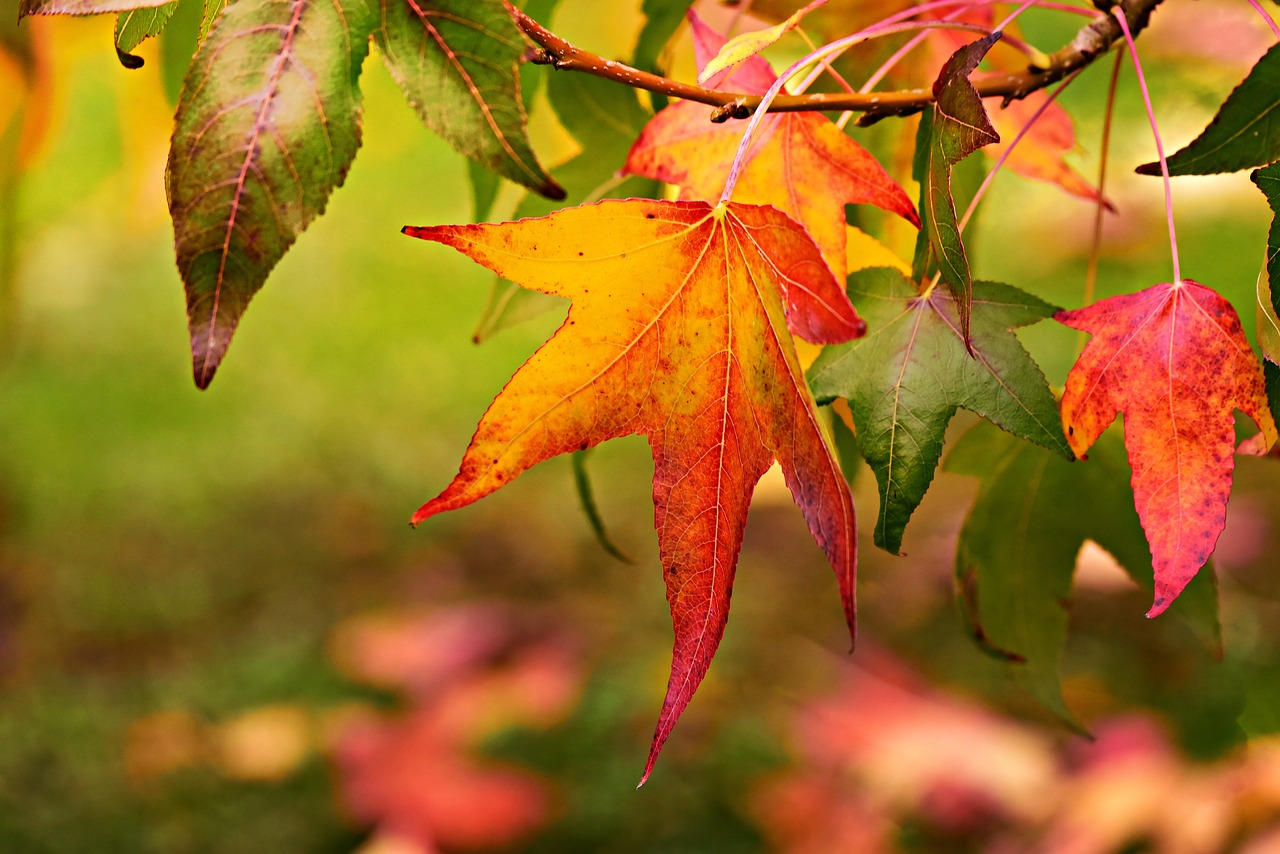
<point>1091,42</point>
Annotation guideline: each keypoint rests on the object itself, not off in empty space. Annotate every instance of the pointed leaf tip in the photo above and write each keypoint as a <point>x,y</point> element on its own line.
<point>677,330</point>
<point>1174,360</point>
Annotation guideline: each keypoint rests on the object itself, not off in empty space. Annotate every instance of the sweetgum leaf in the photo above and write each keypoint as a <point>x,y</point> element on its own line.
<point>1268,181</point>
<point>906,378</point>
<point>1245,132</point>
<point>678,330</point>
<point>267,127</point>
<point>1175,361</point>
<point>82,7</point>
<point>136,26</point>
<point>1020,541</point>
<point>456,62</point>
<point>800,163</point>
<point>958,127</point>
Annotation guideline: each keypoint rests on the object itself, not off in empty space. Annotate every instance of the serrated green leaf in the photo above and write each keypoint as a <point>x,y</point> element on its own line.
<point>957,127</point>
<point>605,119</point>
<point>1268,181</point>
<point>1244,133</point>
<point>267,127</point>
<point>82,7</point>
<point>136,26</point>
<point>212,9</point>
<point>905,379</point>
<point>1020,541</point>
<point>456,62</point>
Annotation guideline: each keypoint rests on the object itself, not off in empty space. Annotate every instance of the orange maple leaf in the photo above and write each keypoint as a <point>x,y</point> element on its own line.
<point>800,163</point>
<point>677,331</point>
<point>1175,361</point>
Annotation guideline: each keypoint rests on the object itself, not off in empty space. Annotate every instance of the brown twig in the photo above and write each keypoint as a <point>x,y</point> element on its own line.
<point>1094,40</point>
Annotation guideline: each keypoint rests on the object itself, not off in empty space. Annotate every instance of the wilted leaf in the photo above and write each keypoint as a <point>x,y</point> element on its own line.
<point>745,45</point>
<point>82,7</point>
<point>1021,538</point>
<point>677,331</point>
<point>800,163</point>
<point>267,127</point>
<point>1175,361</point>
<point>1244,133</point>
<point>906,378</point>
<point>957,128</point>
<point>456,61</point>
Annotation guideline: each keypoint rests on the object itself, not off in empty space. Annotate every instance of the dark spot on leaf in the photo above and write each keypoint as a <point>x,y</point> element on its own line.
<point>650,216</point>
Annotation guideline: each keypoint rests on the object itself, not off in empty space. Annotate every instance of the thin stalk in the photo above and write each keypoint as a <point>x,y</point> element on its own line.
<point>1000,161</point>
<point>835,47</point>
<point>1089,43</point>
<point>1266,16</point>
<point>1155,132</point>
<point>1095,248</point>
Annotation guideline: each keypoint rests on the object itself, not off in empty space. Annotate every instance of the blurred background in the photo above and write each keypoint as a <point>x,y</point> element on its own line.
<point>219,634</point>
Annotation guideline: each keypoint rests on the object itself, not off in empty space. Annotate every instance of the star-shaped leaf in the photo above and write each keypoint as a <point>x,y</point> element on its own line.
<point>906,378</point>
<point>1175,361</point>
<point>678,330</point>
<point>800,163</point>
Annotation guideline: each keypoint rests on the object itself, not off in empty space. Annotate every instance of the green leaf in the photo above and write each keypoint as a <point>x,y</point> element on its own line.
<point>958,127</point>
<point>212,8</point>
<point>1245,132</point>
<point>267,127</point>
<point>136,26</point>
<point>82,7</point>
<point>905,379</point>
<point>1019,544</point>
<point>456,62</point>
<point>1268,181</point>
<point>605,119</point>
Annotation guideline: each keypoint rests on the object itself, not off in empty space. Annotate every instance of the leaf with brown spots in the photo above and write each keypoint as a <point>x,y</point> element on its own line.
<point>1174,360</point>
<point>678,330</point>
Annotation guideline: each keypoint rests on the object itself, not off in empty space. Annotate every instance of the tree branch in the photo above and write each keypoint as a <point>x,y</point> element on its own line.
<point>1094,40</point>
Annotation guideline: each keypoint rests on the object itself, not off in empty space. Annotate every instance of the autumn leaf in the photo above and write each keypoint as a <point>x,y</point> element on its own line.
<point>677,331</point>
<point>800,163</point>
<point>905,380</point>
<point>957,127</point>
<point>1244,133</point>
<point>1174,360</point>
<point>456,62</point>
<point>748,44</point>
<point>82,7</point>
<point>1020,542</point>
<point>268,125</point>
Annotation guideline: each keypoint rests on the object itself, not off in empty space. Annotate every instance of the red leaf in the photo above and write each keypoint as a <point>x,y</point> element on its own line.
<point>1175,361</point>
<point>677,331</point>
